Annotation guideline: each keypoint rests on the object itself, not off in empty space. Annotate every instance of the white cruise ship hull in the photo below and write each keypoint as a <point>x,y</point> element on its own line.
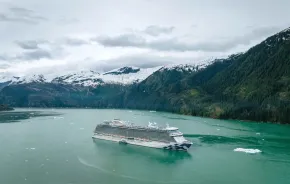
<point>152,144</point>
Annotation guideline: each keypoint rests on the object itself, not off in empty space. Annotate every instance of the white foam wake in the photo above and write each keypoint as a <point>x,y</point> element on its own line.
<point>252,151</point>
<point>82,161</point>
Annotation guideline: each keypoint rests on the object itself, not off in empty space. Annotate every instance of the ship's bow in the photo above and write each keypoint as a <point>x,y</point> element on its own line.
<point>179,146</point>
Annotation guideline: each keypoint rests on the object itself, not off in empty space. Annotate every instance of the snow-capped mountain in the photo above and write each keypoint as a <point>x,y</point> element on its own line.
<point>278,38</point>
<point>128,75</point>
<point>123,70</point>
<point>84,78</point>
<point>181,67</point>
<point>124,75</point>
<point>22,80</point>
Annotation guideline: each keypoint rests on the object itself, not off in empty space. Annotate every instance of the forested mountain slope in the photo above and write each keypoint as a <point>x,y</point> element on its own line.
<point>254,85</point>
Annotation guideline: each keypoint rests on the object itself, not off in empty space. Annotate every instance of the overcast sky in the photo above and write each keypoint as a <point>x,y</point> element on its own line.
<point>57,35</point>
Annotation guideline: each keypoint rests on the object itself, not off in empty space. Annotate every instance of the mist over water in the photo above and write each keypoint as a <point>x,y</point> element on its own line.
<point>55,146</point>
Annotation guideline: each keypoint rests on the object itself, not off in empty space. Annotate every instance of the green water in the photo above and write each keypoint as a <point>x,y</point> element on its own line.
<point>43,146</point>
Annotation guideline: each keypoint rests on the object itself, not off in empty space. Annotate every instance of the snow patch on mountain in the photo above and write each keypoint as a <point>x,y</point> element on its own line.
<point>9,79</point>
<point>123,70</point>
<point>22,80</point>
<point>85,78</point>
<point>124,75</point>
<point>131,77</point>
<point>278,38</point>
<point>285,30</point>
<point>183,67</point>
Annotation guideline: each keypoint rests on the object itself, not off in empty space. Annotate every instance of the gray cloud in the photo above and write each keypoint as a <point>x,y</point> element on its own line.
<point>125,40</point>
<point>3,57</point>
<point>22,11</point>
<point>140,60</point>
<point>35,55</point>
<point>173,44</point>
<point>137,60</point>
<point>131,40</point>
<point>21,15</point>
<point>144,60</point>
<point>262,32</point>
<point>8,18</point>
<point>27,19</point>
<point>74,42</point>
<point>30,44</point>
<point>4,65</point>
<point>155,30</point>
<point>67,21</point>
<point>38,44</point>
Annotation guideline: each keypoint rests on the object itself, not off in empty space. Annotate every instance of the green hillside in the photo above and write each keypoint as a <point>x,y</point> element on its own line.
<point>254,85</point>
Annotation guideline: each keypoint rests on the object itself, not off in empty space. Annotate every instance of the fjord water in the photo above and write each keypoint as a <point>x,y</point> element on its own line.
<point>54,146</point>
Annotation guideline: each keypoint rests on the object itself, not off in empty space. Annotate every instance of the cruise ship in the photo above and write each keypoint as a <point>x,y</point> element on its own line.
<point>150,136</point>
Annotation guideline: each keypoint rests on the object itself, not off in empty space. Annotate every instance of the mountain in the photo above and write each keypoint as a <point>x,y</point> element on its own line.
<point>257,83</point>
<point>152,92</point>
<point>124,75</point>
<point>176,89</point>
<point>13,80</point>
<point>254,85</point>
<point>123,70</point>
<point>83,78</point>
<point>77,89</point>
<point>58,95</point>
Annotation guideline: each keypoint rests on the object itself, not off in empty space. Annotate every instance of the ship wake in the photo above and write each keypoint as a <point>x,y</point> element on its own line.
<point>84,162</point>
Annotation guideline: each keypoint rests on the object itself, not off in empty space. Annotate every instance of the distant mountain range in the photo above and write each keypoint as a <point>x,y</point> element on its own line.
<point>125,76</point>
<point>254,85</point>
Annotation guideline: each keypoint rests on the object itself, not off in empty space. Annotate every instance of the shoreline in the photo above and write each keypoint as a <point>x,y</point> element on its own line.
<point>155,111</point>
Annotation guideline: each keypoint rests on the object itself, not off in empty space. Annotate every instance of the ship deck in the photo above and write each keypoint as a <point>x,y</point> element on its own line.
<point>135,141</point>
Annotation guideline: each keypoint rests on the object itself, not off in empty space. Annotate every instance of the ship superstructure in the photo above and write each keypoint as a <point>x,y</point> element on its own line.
<point>150,136</point>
